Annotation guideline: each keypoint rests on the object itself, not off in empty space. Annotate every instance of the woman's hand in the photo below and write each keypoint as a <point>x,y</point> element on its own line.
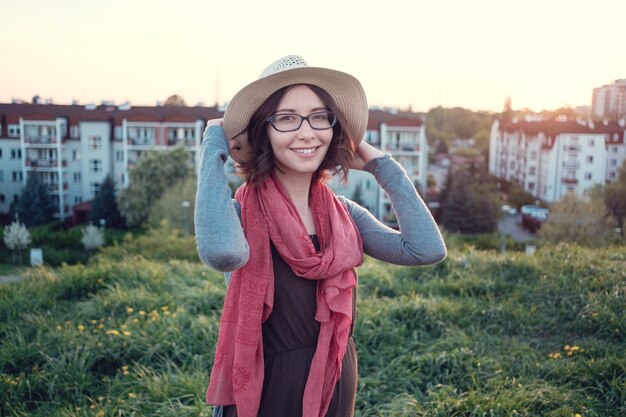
<point>217,122</point>
<point>365,153</point>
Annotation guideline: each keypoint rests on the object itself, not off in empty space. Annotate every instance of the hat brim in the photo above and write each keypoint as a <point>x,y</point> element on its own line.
<point>345,90</point>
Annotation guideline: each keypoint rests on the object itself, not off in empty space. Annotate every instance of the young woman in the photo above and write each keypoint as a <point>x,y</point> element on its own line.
<point>290,247</point>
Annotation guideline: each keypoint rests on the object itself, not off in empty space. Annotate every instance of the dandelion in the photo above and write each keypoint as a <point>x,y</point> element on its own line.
<point>59,328</point>
<point>165,308</point>
<point>81,328</point>
<point>577,415</point>
<point>136,321</point>
<point>126,333</point>
<point>129,310</point>
<point>100,281</point>
<point>112,332</point>
<point>142,313</point>
<point>132,395</point>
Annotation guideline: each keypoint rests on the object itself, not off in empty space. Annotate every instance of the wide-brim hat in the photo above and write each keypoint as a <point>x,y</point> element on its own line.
<point>344,89</point>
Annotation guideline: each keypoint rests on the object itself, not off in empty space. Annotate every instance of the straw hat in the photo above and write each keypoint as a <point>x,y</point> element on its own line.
<point>345,90</point>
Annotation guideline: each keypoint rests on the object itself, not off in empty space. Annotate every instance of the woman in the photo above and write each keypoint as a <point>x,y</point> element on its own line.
<point>285,345</point>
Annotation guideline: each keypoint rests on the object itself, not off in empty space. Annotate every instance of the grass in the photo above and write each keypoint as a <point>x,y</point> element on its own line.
<point>480,334</point>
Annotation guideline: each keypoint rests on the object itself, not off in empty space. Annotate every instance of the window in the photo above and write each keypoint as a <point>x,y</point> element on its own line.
<point>75,155</point>
<point>590,159</point>
<point>533,155</point>
<point>119,156</point>
<point>1,176</point>
<point>74,131</point>
<point>14,130</point>
<point>94,188</point>
<point>16,198</point>
<point>95,165</point>
<point>592,142</point>
<point>532,171</point>
<point>78,200</point>
<point>612,175</point>
<point>613,162</point>
<point>77,177</point>
<point>16,153</point>
<point>17,176</point>
<point>0,152</point>
<point>95,142</point>
<point>118,132</point>
<point>614,149</point>
<point>531,186</point>
<point>588,175</point>
<point>1,198</point>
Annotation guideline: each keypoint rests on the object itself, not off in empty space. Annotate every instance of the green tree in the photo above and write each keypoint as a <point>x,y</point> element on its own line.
<point>176,206</point>
<point>469,204</point>
<point>574,220</point>
<point>155,173</point>
<point>175,100</point>
<point>615,198</point>
<point>104,206</point>
<point>517,197</point>
<point>35,206</point>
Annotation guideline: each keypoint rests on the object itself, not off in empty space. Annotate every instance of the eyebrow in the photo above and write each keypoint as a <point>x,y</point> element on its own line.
<point>294,111</point>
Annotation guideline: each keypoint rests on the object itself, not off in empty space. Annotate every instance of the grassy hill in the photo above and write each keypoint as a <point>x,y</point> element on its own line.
<point>480,334</point>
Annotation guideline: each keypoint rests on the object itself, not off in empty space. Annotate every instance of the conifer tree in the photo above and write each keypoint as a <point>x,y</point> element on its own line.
<point>104,205</point>
<point>35,206</point>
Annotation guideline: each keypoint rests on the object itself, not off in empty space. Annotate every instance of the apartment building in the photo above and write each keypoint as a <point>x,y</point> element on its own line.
<point>609,101</point>
<point>550,158</point>
<point>72,148</point>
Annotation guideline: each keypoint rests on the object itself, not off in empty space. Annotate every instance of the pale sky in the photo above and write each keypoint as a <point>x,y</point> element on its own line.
<point>543,53</point>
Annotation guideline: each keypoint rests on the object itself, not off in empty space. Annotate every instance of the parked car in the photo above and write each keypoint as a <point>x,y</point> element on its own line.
<point>533,216</point>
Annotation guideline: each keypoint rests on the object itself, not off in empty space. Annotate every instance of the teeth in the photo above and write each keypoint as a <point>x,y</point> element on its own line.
<point>305,151</point>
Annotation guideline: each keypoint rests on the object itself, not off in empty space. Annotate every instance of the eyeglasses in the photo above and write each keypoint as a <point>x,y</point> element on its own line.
<point>289,122</point>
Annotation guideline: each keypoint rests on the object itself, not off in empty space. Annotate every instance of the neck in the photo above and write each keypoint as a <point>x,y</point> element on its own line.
<point>297,187</point>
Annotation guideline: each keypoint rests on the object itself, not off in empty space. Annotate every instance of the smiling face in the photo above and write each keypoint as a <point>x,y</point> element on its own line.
<point>302,151</point>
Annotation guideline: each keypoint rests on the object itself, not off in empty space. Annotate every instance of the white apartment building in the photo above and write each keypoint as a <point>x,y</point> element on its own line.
<point>550,158</point>
<point>73,148</point>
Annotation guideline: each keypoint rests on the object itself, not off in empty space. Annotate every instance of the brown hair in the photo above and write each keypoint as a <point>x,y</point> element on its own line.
<point>338,158</point>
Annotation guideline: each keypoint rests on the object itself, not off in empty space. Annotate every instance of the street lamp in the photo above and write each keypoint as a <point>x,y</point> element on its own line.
<point>185,205</point>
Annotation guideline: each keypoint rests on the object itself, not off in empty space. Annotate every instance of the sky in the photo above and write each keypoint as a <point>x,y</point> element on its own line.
<point>415,54</point>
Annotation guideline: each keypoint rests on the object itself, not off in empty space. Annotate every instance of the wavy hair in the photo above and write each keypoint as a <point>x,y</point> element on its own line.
<point>338,158</point>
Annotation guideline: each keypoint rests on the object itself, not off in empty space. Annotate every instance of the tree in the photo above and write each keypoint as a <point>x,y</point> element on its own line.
<point>518,197</point>
<point>157,172</point>
<point>615,199</point>
<point>17,238</point>
<point>175,100</point>
<point>578,221</point>
<point>469,204</point>
<point>172,207</point>
<point>104,205</point>
<point>35,205</point>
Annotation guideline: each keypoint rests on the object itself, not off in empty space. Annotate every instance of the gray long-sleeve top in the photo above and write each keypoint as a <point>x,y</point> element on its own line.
<point>223,246</point>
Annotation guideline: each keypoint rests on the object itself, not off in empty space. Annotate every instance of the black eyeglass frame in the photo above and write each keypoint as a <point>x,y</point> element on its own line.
<point>271,119</point>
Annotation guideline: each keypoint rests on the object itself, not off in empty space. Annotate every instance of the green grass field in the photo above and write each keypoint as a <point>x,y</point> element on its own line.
<point>480,334</point>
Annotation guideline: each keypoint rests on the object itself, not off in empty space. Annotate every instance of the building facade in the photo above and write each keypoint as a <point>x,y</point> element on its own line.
<point>609,101</point>
<point>73,148</point>
<point>550,158</point>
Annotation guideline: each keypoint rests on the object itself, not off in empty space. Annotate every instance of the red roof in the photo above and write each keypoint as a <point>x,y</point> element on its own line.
<point>400,119</point>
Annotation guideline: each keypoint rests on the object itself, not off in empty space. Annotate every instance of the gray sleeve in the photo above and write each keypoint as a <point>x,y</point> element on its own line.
<point>419,241</point>
<point>219,236</point>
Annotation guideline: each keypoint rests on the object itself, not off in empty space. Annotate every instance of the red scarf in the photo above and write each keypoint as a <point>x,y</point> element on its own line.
<point>267,213</point>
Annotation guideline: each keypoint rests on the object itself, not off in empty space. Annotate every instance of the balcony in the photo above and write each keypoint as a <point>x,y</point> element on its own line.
<point>141,142</point>
<point>402,148</point>
<point>45,163</point>
<point>571,164</point>
<point>570,181</point>
<point>54,187</point>
<point>40,140</point>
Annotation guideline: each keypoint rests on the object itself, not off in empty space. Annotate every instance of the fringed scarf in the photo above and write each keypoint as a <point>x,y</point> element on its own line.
<point>267,213</point>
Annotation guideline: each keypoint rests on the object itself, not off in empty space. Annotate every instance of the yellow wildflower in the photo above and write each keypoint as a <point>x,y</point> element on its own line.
<point>129,310</point>
<point>165,308</point>
<point>126,333</point>
<point>142,313</point>
<point>113,332</point>
<point>131,395</point>
<point>81,328</point>
<point>59,328</point>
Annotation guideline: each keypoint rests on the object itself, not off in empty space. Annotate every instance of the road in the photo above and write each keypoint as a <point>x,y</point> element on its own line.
<point>511,225</point>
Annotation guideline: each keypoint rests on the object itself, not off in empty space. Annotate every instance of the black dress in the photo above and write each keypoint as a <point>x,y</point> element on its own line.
<point>289,341</point>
